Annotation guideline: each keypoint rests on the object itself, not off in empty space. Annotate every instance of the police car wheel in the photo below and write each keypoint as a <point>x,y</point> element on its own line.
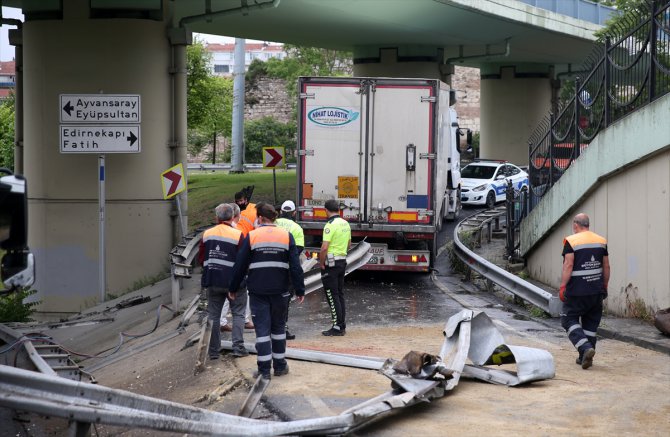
<point>490,200</point>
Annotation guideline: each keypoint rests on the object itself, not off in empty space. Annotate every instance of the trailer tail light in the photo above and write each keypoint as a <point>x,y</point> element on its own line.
<point>403,216</point>
<point>410,259</point>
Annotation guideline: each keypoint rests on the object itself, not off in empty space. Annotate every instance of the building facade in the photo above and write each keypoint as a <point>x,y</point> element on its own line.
<point>223,55</point>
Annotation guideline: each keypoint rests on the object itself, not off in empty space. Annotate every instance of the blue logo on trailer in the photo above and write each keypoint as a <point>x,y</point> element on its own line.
<point>332,116</point>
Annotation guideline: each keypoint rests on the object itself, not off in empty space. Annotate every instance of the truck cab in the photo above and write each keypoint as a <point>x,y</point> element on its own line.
<point>17,268</point>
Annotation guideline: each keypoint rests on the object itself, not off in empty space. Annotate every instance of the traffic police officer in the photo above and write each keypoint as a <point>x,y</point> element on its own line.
<point>584,280</point>
<point>333,260</point>
<point>221,244</point>
<point>269,255</point>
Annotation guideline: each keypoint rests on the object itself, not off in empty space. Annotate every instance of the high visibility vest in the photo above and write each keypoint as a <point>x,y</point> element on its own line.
<point>247,219</point>
<point>269,260</point>
<point>221,244</point>
<point>338,234</point>
<point>587,271</point>
<point>294,229</point>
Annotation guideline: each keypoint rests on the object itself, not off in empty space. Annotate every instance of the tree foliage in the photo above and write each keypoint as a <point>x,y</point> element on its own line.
<point>7,133</point>
<point>210,100</point>
<point>308,61</point>
<point>629,10</point>
<point>268,132</point>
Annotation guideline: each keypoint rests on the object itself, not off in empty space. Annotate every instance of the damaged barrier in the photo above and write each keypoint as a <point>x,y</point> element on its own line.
<point>468,334</point>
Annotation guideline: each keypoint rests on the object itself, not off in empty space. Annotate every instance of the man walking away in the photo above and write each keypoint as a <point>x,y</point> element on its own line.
<point>333,260</point>
<point>269,255</point>
<point>286,221</point>
<point>222,243</point>
<point>584,279</point>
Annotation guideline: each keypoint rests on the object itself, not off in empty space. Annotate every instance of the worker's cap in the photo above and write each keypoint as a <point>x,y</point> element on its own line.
<point>288,206</point>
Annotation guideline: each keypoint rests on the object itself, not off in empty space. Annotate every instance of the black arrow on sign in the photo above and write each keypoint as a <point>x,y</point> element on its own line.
<point>68,108</point>
<point>132,138</point>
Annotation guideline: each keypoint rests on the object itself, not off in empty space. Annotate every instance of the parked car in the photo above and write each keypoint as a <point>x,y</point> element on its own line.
<point>483,182</point>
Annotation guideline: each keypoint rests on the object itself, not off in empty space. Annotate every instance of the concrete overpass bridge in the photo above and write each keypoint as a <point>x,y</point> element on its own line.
<point>102,47</point>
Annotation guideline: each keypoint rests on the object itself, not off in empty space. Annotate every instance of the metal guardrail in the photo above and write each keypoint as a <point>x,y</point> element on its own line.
<point>220,167</point>
<point>467,334</point>
<point>48,358</point>
<point>512,283</point>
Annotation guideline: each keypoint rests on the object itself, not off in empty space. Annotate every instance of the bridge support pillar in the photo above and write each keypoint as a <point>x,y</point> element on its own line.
<point>97,52</point>
<point>514,99</point>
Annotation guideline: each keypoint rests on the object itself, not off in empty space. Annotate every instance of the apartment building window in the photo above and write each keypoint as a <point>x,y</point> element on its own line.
<point>218,68</point>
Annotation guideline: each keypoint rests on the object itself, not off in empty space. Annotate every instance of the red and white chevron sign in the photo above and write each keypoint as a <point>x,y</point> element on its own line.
<point>273,157</point>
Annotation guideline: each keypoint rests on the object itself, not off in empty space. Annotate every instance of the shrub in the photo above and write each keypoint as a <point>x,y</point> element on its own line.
<point>13,309</point>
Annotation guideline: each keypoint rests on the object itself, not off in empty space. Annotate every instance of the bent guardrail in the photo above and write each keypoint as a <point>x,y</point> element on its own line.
<point>512,283</point>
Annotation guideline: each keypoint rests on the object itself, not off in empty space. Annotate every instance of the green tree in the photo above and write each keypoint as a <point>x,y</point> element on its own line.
<point>210,102</point>
<point>198,60</point>
<point>268,132</point>
<point>308,61</point>
<point>629,12</point>
<point>7,133</point>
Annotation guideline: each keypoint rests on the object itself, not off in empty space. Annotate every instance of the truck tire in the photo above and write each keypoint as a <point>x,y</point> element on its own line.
<point>490,200</point>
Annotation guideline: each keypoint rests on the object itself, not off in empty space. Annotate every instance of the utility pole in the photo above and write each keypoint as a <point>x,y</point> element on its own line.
<point>237,154</point>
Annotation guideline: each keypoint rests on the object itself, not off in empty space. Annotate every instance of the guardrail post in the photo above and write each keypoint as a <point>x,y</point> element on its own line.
<point>174,282</point>
<point>79,429</point>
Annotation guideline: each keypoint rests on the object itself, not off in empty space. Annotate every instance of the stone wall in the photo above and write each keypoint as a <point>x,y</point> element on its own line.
<point>466,82</point>
<point>267,97</point>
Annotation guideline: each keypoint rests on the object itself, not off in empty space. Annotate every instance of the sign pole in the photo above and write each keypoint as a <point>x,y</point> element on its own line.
<point>101,230</point>
<point>181,219</point>
<point>274,184</point>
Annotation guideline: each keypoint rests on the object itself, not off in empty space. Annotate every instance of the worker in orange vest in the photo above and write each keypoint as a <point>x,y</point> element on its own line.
<point>247,215</point>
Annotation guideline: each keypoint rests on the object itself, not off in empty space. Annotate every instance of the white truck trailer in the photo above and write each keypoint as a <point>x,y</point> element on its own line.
<point>388,150</point>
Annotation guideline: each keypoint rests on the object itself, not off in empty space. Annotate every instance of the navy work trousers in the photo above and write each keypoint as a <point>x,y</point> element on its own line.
<point>269,315</point>
<point>580,318</point>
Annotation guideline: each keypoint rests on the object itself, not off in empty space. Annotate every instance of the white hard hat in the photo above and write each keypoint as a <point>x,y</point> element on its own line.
<point>288,206</point>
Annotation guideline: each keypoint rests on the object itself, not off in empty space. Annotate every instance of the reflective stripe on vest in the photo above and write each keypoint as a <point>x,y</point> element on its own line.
<point>587,270</point>
<point>269,247</point>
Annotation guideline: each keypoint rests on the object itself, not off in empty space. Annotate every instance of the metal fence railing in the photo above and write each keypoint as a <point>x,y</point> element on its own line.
<point>630,70</point>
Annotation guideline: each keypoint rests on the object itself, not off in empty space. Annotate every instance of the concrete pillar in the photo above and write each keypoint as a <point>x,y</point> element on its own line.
<point>89,56</point>
<point>514,99</point>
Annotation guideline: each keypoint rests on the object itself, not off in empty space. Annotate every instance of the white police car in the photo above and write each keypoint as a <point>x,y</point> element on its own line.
<point>483,182</point>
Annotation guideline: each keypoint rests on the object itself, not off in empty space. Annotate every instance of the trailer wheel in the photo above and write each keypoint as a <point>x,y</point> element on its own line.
<point>490,200</point>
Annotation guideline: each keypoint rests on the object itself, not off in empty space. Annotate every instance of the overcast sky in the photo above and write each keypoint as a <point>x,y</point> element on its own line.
<point>7,51</point>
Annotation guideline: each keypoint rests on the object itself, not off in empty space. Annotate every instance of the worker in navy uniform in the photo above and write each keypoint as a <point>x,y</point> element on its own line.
<point>333,260</point>
<point>286,220</point>
<point>584,280</point>
<point>221,244</point>
<point>269,256</point>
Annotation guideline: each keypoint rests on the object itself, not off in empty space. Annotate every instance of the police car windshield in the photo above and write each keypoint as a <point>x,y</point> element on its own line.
<point>471,171</point>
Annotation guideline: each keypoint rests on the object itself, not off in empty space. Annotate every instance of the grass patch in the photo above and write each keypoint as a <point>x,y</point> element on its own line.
<point>207,190</point>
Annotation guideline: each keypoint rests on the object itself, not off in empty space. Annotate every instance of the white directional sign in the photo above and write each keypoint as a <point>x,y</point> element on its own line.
<point>100,108</point>
<point>99,139</point>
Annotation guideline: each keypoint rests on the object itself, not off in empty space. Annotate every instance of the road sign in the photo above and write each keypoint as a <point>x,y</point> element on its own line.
<point>99,139</point>
<point>100,108</point>
<point>173,181</point>
<point>273,157</point>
